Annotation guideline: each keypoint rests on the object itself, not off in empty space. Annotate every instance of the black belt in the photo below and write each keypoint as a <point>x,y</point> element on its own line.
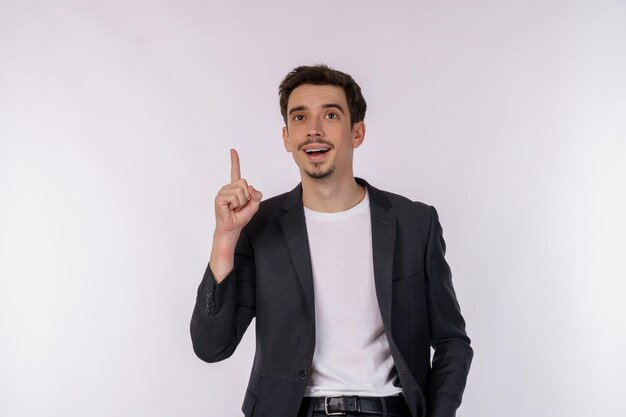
<point>340,405</point>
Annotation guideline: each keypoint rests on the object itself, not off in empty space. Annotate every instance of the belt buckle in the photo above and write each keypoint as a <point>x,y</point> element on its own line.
<point>339,413</point>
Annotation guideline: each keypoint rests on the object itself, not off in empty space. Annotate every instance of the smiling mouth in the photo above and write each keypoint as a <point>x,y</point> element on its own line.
<point>317,151</point>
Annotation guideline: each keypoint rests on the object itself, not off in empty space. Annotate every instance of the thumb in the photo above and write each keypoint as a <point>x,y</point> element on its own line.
<point>254,193</point>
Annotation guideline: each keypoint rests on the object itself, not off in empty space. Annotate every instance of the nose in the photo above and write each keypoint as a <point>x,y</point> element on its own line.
<point>315,127</point>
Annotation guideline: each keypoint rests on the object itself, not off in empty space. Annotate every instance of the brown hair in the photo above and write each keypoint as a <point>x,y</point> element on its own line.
<point>323,75</point>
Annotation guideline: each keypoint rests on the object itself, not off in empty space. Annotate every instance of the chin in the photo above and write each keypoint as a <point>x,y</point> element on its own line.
<point>320,175</point>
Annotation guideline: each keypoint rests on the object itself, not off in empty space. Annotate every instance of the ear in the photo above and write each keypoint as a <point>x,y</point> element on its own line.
<point>358,134</point>
<point>286,140</point>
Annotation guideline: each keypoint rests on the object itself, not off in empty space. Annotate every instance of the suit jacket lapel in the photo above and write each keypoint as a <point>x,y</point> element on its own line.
<point>294,229</point>
<point>383,240</point>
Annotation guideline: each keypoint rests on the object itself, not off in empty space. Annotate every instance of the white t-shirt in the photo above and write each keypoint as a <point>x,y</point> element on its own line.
<point>352,355</point>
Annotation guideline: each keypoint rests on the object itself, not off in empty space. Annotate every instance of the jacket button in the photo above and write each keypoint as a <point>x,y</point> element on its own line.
<point>303,375</point>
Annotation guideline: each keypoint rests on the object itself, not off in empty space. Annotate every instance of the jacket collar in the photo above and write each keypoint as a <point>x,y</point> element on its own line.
<point>294,197</point>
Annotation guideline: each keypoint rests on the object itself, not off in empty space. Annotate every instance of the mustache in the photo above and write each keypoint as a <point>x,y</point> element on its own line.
<point>309,142</point>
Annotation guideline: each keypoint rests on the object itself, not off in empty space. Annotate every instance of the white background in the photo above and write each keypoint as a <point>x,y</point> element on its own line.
<point>115,123</point>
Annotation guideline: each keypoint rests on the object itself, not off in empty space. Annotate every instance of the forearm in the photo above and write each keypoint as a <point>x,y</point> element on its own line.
<point>453,353</point>
<point>224,310</point>
<point>448,377</point>
<point>211,332</point>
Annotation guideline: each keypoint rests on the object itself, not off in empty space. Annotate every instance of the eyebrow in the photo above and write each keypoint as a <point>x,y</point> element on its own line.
<point>324,106</point>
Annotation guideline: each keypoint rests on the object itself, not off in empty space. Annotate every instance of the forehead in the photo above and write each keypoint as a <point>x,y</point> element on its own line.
<point>310,95</point>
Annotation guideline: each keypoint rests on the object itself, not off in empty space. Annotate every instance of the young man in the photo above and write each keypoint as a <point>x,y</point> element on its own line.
<point>348,283</point>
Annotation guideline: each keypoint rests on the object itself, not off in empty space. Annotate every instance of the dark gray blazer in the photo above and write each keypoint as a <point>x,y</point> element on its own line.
<point>272,281</point>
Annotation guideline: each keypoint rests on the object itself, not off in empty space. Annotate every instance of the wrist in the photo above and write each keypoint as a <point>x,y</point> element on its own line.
<point>223,254</point>
<point>226,240</point>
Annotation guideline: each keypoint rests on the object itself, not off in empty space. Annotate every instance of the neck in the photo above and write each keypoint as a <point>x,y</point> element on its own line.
<point>331,195</point>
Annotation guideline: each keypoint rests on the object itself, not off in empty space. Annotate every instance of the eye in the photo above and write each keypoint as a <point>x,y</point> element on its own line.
<point>298,117</point>
<point>332,115</point>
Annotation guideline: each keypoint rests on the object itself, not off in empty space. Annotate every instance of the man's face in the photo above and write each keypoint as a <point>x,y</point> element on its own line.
<point>319,134</point>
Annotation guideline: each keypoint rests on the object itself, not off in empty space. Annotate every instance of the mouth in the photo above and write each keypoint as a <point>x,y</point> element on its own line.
<point>316,153</point>
<point>321,149</point>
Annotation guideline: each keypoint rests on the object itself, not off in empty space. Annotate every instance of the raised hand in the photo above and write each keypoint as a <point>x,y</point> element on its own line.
<point>235,204</point>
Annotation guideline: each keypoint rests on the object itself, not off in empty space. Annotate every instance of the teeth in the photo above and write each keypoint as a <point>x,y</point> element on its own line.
<point>316,150</point>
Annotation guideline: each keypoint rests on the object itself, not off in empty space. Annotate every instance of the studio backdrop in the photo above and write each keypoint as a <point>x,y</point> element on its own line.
<point>116,120</point>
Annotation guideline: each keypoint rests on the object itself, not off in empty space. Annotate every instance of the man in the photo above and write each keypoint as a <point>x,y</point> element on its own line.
<point>348,283</point>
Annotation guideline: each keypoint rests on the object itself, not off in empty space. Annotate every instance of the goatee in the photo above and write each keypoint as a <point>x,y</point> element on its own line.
<point>320,175</point>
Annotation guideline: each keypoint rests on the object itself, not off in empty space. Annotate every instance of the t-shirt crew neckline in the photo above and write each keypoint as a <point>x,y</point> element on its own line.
<point>340,215</point>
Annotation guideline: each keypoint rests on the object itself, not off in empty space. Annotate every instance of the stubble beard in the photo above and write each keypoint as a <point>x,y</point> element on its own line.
<point>320,175</point>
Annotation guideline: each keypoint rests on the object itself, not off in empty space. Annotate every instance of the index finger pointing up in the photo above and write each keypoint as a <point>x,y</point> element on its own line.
<point>235,172</point>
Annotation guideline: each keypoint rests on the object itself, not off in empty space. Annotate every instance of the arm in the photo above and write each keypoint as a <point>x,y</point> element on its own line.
<point>453,354</point>
<point>225,300</point>
<point>224,310</point>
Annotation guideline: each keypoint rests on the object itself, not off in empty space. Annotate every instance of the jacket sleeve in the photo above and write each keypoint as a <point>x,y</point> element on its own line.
<point>223,311</point>
<point>452,351</point>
